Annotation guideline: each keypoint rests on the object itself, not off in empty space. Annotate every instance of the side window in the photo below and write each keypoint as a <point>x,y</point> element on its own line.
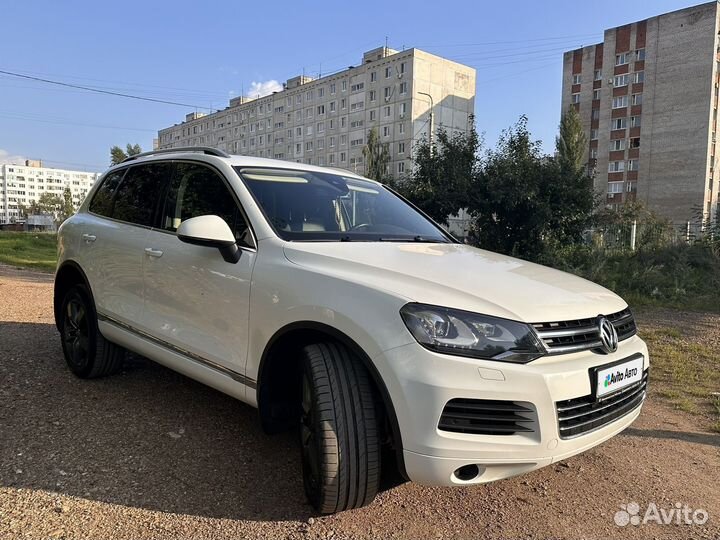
<point>138,194</point>
<point>102,201</point>
<point>197,190</point>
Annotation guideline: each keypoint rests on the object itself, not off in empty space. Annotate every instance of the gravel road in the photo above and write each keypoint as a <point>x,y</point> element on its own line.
<point>152,454</point>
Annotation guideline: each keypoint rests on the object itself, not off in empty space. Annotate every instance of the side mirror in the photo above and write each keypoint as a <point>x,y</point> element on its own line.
<point>210,231</point>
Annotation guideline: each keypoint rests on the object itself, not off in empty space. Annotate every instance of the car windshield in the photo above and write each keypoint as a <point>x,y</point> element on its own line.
<point>320,206</point>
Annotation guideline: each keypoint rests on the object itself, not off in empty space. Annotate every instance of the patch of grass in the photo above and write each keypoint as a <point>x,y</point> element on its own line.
<point>684,373</point>
<point>30,250</point>
<point>680,277</point>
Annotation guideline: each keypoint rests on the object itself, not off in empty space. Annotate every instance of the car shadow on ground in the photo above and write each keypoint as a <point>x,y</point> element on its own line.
<point>147,437</point>
<point>700,438</point>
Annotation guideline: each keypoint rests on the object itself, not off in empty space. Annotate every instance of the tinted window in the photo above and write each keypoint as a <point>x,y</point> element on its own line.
<point>101,203</point>
<point>304,205</point>
<point>138,194</point>
<point>197,190</point>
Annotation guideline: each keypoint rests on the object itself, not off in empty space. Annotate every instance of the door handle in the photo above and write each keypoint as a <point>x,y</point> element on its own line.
<point>89,238</point>
<point>153,252</point>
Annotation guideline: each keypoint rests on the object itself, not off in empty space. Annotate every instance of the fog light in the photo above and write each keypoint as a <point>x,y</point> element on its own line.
<point>467,472</point>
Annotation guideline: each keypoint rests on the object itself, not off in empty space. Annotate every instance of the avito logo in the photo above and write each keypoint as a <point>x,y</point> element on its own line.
<point>618,376</point>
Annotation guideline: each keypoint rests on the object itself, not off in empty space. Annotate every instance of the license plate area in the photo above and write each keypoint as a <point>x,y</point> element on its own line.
<point>608,379</point>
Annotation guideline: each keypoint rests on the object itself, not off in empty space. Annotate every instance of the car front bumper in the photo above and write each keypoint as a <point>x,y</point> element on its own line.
<point>421,383</point>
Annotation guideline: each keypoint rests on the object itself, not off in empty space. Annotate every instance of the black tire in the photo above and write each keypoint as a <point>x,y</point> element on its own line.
<point>87,353</point>
<point>339,430</point>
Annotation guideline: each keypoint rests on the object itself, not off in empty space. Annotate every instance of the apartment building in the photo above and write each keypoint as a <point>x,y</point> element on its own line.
<point>326,121</point>
<point>648,98</point>
<point>22,184</point>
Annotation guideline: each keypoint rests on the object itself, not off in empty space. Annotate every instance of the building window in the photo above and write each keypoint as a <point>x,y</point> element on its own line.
<point>332,142</point>
<point>401,148</point>
<point>388,72</point>
<point>403,87</point>
<point>332,106</point>
<point>321,144</point>
<point>331,159</point>
<point>640,55</point>
<point>596,114</point>
<point>373,76</point>
<point>321,109</point>
<point>343,121</point>
<point>298,99</point>
<point>593,153</point>
<point>321,127</point>
<point>401,128</point>
<point>386,131</point>
<point>622,59</point>
<point>597,75</point>
<point>619,102</point>
<point>298,131</point>
<point>402,68</point>
<point>637,99</point>
<point>593,134</point>
<point>575,98</point>
<point>343,140</point>
<point>344,86</point>
<point>343,157</point>
<point>401,167</point>
<point>617,144</point>
<point>309,130</point>
<point>616,166</point>
<point>621,80</point>
<point>309,146</point>
<point>403,109</point>
<point>635,142</point>
<point>576,79</point>
<point>387,111</point>
<point>333,88</point>
<point>388,92</point>
<point>635,121</point>
<point>615,187</point>
<point>633,165</point>
<point>596,94</point>
<point>619,123</point>
<point>639,77</point>
<point>321,92</point>
<point>357,87</point>
<point>343,103</point>
<point>373,95</point>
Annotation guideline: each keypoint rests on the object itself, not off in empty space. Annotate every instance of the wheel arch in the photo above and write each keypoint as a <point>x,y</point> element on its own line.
<point>294,336</point>
<point>69,273</point>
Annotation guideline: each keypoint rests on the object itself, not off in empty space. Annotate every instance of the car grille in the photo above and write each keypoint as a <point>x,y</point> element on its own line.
<point>583,334</point>
<point>487,417</point>
<point>582,415</point>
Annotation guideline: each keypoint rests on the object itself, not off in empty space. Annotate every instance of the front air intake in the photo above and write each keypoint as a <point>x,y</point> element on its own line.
<point>487,417</point>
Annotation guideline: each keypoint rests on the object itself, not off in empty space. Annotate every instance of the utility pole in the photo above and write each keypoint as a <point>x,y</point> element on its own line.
<point>430,118</point>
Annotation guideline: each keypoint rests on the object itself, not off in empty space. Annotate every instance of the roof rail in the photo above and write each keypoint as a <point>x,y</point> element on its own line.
<point>204,149</point>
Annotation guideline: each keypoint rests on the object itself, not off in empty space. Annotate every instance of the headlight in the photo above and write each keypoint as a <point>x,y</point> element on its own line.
<point>463,333</point>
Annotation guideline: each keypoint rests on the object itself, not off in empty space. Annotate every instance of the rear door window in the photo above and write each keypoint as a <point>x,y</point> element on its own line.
<point>139,193</point>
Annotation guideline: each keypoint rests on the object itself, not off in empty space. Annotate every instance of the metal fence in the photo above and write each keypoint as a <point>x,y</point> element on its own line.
<point>639,235</point>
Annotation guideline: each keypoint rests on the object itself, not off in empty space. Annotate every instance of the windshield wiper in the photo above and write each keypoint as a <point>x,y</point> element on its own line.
<point>417,238</point>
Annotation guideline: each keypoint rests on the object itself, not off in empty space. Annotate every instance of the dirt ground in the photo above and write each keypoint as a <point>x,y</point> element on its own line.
<point>152,454</point>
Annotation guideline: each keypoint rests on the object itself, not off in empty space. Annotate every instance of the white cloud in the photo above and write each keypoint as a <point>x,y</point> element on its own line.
<point>10,159</point>
<point>263,88</point>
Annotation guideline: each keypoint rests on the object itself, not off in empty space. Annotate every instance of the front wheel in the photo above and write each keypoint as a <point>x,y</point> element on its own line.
<point>87,353</point>
<point>339,430</point>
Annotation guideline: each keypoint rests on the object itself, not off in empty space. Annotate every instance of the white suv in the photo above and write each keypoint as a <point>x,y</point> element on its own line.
<point>338,309</point>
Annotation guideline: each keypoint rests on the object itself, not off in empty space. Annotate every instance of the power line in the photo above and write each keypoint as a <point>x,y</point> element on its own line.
<point>67,122</point>
<point>99,91</point>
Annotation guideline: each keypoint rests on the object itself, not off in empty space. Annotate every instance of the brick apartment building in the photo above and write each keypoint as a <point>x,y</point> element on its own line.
<point>648,99</point>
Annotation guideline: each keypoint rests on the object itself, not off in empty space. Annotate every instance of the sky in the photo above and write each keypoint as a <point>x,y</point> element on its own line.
<point>199,55</point>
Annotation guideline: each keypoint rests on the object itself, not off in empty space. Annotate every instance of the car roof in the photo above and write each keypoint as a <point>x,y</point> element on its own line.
<point>234,161</point>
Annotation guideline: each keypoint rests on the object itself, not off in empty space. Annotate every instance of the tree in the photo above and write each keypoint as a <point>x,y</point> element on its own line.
<point>48,203</point>
<point>444,173</point>
<point>525,202</point>
<point>68,208</point>
<point>118,155</point>
<point>509,205</point>
<point>376,156</point>
<point>571,142</point>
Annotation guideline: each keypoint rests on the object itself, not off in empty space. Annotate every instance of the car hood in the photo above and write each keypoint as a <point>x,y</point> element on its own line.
<point>459,276</point>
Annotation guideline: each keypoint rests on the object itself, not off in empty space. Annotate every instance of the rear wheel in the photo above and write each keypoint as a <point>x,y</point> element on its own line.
<point>339,430</point>
<point>87,353</point>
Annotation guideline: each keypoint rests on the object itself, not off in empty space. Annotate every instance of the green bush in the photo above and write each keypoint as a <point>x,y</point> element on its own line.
<point>681,276</point>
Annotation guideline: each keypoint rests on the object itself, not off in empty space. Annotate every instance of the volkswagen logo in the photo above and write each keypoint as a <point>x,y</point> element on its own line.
<point>608,335</point>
